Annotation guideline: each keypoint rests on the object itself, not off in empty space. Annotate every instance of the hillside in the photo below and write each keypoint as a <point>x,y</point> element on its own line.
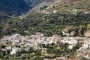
<point>67,6</point>
<point>59,14</point>
<point>17,7</point>
<point>41,5</point>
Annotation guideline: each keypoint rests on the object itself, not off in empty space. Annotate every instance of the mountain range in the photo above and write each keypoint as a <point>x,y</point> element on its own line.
<point>18,7</point>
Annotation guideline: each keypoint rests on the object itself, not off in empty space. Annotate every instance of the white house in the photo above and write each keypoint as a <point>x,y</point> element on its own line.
<point>15,51</point>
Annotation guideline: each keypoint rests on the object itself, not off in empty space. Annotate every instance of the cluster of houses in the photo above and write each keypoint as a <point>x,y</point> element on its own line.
<point>17,43</point>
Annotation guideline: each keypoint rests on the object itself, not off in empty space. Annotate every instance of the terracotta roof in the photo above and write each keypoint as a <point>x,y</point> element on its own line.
<point>73,59</point>
<point>69,59</point>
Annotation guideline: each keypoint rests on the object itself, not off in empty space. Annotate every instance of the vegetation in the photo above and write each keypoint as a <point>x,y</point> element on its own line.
<point>50,24</point>
<point>52,51</point>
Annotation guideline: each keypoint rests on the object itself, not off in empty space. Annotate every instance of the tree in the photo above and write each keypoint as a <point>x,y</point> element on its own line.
<point>6,29</point>
<point>88,26</point>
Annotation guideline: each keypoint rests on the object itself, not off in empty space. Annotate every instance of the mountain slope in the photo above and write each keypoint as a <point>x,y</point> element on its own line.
<point>17,7</point>
<point>66,6</point>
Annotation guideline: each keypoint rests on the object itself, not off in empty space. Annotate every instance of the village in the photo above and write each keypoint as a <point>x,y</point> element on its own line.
<point>17,43</point>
